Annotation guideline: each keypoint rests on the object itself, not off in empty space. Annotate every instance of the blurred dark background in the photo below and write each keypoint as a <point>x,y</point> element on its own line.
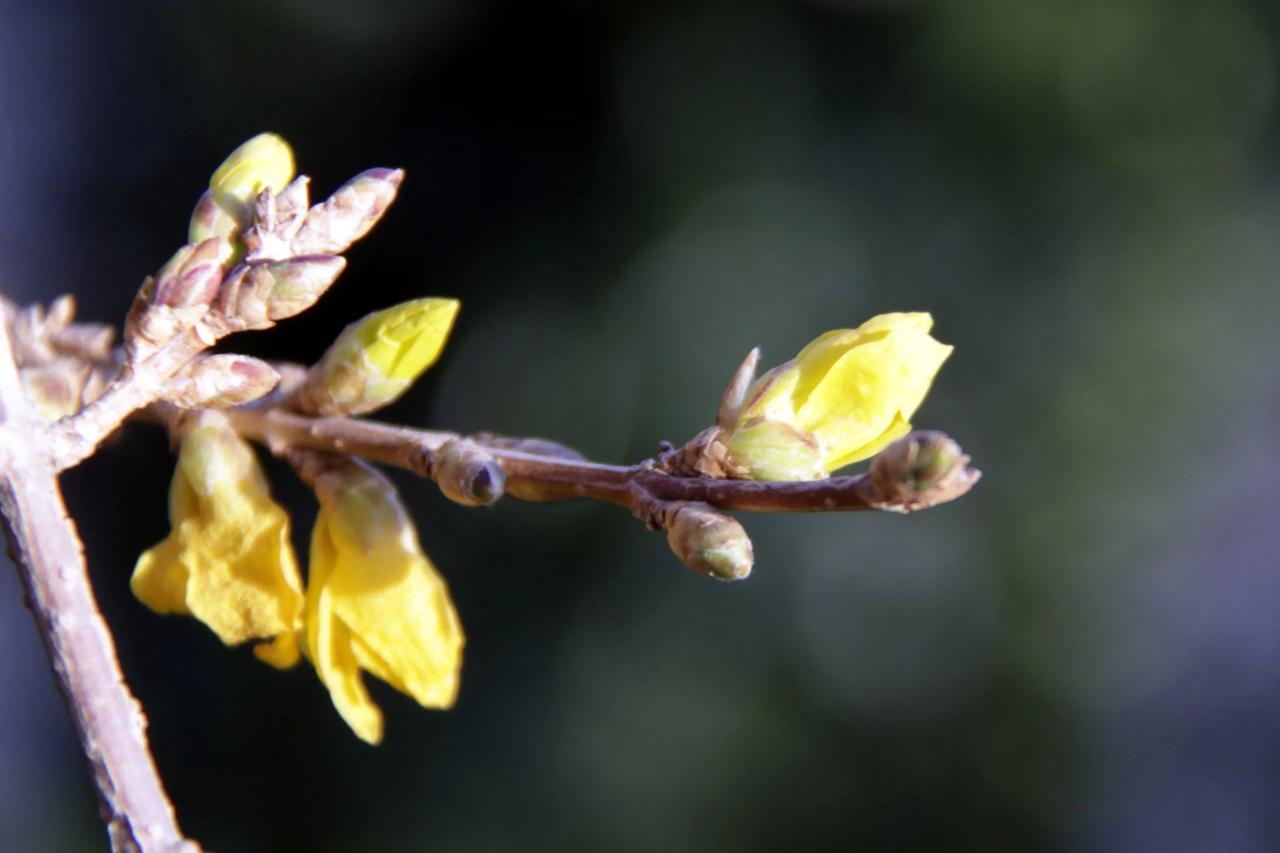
<point>1084,654</point>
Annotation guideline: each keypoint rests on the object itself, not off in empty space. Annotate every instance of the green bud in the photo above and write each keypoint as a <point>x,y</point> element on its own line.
<point>708,541</point>
<point>920,470</point>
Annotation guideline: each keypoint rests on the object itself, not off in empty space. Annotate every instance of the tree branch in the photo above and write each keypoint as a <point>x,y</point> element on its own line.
<point>47,551</point>
<point>538,477</point>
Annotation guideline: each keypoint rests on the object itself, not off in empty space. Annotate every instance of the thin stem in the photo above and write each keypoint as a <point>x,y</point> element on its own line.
<point>544,478</point>
<point>44,545</point>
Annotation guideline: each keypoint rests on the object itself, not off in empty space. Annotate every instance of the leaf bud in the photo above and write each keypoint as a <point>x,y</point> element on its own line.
<point>708,541</point>
<point>348,214</point>
<point>258,293</point>
<point>221,381</point>
<point>466,473</point>
<point>922,469</point>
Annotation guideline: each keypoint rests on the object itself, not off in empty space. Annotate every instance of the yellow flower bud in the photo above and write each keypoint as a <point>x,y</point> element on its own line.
<point>264,162</point>
<point>228,560</point>
<point>846,396</point>
<point>376,359</point>
<point>374,601</point>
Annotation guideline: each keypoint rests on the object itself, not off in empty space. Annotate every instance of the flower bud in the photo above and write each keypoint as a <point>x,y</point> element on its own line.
<point>377,358</point>
<point>923,469</point>
<point>264,162</point>
<point>466,473</point>
<point>258,293</point>
<point>349,213</point>
<point>708,541</point>
<point>221,381</point>
<point>843,398</point>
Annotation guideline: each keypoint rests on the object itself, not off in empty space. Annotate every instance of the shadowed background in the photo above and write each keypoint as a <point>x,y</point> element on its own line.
<point>1083,654</point>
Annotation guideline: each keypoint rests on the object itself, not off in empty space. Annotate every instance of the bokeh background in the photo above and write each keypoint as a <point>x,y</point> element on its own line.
<point>1084,654</point>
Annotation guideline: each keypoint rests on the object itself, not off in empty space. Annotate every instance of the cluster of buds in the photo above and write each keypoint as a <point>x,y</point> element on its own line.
<point>257,253</point>
<point>62,365</point>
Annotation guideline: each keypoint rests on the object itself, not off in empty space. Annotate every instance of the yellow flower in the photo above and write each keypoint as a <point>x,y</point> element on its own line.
<point>845,397</point>
<point>374,601</point>
<point>378,357</point>
<point>227,561</point>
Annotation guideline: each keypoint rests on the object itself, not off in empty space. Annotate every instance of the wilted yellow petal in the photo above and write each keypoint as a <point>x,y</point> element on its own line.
<point>228,560</point>
<point>374,602</point>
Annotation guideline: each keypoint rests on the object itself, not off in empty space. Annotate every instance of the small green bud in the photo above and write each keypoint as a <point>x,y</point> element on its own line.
<point>922,469</point>
<point>708,541</point>
<point>466,473</point>
<point>377,358</point>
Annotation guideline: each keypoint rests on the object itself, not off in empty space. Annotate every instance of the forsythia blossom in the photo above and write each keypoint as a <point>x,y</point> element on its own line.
<point>845,397</point>
<point>227,561</point>
<point>374,601</point>
<point>375,359</point>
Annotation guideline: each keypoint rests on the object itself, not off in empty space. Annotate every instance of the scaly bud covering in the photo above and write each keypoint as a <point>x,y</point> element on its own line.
<point>220,381</point>
<point>708,541</point>
<point>228,560</point>
<point>376,359</point>
<point>466,473</point>
<point>374,601</point>
<point>177,297</point>
<point>258,293</point>
<point>264,162</point>
<point>349,213</point>
<point>843,398</point>
<point>209,219</point>
<point>922,470</point>
<point>56,388</point>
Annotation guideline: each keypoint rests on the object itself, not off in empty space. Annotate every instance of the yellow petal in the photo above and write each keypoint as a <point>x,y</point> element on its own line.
<point>374,601</point>
<point>896,430</point>
<point>227,560</point>
<point>329,644</point>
